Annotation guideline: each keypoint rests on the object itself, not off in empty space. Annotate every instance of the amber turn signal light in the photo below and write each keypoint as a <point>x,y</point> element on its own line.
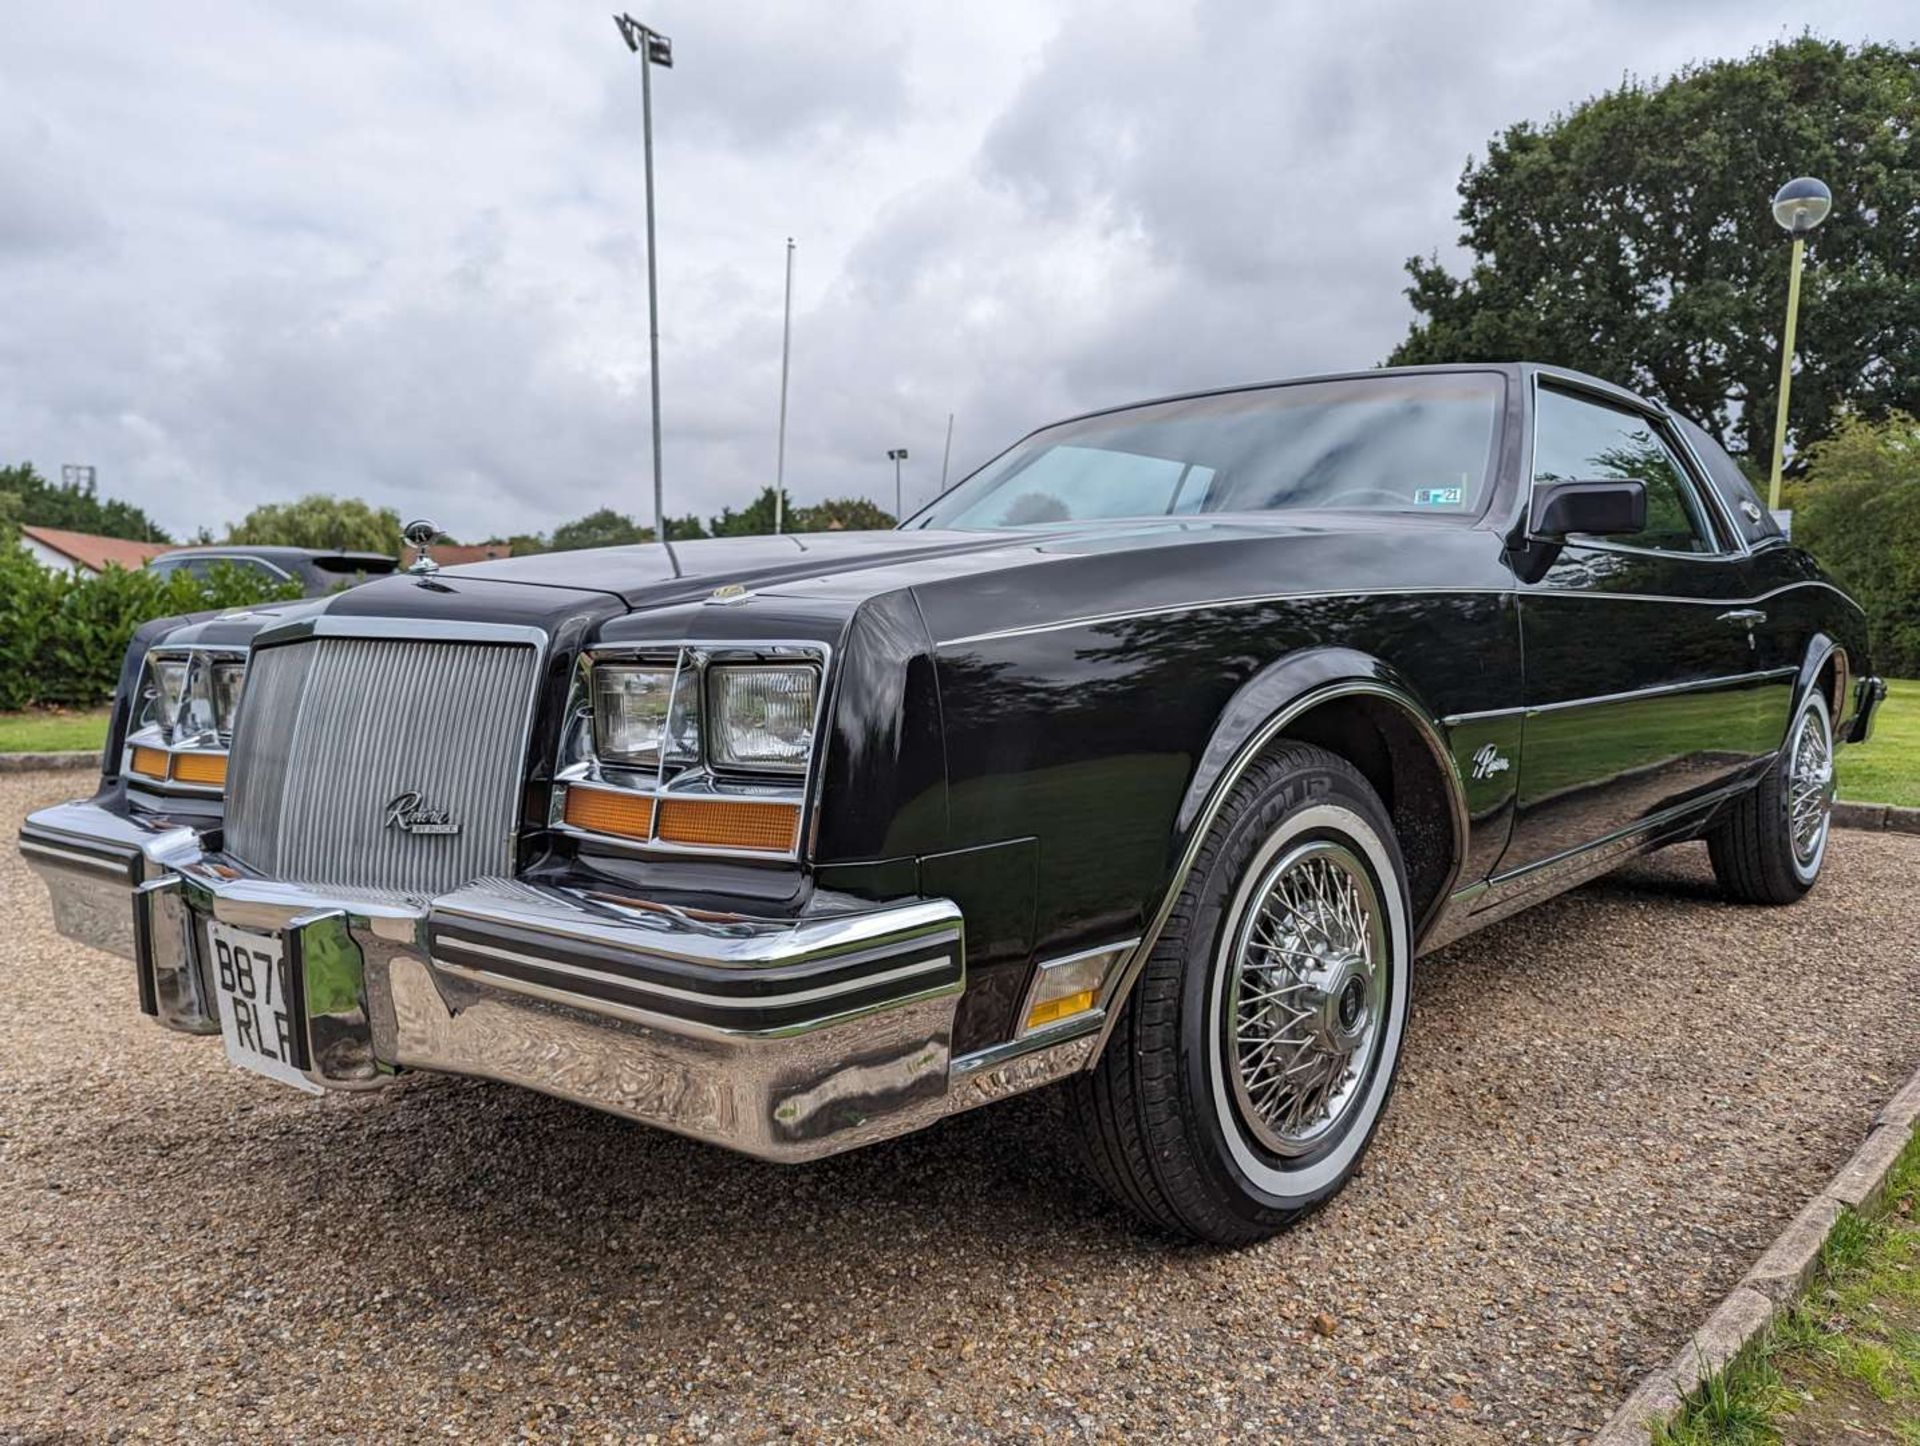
<point>207,769</point>
<point>150,763</point>
<point>1050,1010</point>
<point>723,823</point>
<point>605,810</point>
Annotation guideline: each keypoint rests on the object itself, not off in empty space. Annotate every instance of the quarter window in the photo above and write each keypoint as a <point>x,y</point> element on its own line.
<point>1576,440</point>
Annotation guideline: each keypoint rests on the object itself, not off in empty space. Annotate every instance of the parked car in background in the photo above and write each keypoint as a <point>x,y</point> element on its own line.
<point>317,570</point>
<point>1145,760</point>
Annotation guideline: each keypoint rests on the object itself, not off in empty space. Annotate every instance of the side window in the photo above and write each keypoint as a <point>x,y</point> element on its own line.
<point>1749,513</point>
<point>1576,440</point>
<point>205,568</point>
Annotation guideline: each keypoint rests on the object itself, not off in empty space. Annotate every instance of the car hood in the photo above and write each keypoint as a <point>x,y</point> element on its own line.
<point>649,575</point>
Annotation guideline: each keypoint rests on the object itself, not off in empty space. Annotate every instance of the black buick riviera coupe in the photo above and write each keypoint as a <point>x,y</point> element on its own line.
<point>1145,760</point>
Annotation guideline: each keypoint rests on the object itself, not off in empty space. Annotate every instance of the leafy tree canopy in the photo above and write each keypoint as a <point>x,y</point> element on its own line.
<point>605,528</point>
<point>756,519</point>
<point>28,499</point>
<point>321,521</point>
<point>1632,238</point>
<point>853,514</point>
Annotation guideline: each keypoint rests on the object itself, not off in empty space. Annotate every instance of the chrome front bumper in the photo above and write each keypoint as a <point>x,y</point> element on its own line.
<point>785,1039</point>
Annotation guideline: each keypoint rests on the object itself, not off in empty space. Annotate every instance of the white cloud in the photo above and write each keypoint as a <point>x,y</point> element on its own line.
<point>261,252</point>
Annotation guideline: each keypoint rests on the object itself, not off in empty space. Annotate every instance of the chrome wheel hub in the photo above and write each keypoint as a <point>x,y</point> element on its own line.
<point>1809,787</point>
<point>1308,971</point>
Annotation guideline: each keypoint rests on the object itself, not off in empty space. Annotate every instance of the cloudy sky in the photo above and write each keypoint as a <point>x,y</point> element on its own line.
<point>251,250</point>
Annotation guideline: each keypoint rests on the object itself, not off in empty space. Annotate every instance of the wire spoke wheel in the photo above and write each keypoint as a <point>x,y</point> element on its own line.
<point>1309,971</point>
<point>1810,786</point>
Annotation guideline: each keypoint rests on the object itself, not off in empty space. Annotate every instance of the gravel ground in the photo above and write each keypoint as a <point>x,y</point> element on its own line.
<point>1608,1108</point>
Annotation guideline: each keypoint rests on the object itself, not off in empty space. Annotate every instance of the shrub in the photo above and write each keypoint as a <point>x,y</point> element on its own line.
<point>1858,511</point>
<point>62,637</point>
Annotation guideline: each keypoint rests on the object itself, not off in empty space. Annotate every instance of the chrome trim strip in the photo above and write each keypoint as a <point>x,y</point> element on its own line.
<point>407,630</point>
<point>1698,685</point>
<point>994,1055</point>
<point>1521,593</point>
<point>736,941</point>
<point>1650,822</point>
<point>691,996</point>
<point>118,869</point>
<point>1251,749</point>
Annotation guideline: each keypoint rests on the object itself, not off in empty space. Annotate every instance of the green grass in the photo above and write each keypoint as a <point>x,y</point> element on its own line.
<point>47,730</point>
<point>1887,770</point>
<point>1844,1359</point>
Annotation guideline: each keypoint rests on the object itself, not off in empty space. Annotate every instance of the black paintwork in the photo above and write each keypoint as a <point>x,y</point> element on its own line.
<point>1032,722</point>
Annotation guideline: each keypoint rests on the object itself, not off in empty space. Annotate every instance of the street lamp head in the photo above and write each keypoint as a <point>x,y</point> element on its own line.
<point>897,454</point>
<point>1802,204</point>
<point>659,48</point>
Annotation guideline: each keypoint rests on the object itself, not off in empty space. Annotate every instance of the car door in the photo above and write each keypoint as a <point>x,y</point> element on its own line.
<point>1645,686</point>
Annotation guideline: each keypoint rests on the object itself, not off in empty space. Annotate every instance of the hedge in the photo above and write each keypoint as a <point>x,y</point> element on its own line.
<point>1866,532</point>
<point>62,637</point>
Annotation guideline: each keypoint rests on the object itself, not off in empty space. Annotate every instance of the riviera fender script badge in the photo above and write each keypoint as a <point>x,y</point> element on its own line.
<point>1489,761</point>
<point>408,813</point>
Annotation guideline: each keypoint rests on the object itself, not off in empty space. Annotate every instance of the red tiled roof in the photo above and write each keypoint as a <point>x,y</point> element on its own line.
<point>450,554</point>
<point>97,553</point>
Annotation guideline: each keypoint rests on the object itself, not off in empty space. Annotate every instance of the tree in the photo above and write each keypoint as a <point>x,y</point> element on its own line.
<point>685,529</point>
<point>1857,509</point>
<point>755,520</point>
<point>605,528</point>
<point>318,520</point>
<point>853,514</point>
<point>27,498</point>
<point>1631,238</point>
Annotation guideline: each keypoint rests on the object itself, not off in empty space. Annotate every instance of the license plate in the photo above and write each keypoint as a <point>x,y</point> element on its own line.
<point>250,982</point>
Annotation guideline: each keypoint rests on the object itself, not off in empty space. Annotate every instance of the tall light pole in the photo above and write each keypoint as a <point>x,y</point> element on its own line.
<point>1799,206</point>
<point>786,351</point>
<point>653,48</point>
<point>897,455</point>
<point>946,456</point>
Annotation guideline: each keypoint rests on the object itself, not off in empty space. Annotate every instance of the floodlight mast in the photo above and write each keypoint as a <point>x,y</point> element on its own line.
<point>654,49</point>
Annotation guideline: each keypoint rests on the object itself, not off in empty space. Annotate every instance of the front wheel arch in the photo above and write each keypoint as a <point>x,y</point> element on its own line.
<point>1312,692</point>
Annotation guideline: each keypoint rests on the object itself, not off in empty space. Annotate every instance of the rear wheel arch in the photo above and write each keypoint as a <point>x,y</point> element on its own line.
<point>1827,667</point>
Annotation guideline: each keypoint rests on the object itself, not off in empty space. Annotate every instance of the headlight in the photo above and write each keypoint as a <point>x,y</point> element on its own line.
<point>763,716</point>
<point>226,680</point>
<point>167,691</point>
<point>636,713</point>
<point>194,698</point>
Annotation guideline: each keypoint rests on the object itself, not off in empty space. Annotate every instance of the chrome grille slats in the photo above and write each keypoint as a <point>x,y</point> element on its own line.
<point>334,728</point>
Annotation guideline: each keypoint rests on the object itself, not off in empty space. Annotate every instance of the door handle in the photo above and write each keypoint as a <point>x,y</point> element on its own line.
<point>1748,616</point>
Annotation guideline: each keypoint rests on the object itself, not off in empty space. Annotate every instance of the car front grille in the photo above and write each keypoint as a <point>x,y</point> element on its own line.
<point>337,731</point>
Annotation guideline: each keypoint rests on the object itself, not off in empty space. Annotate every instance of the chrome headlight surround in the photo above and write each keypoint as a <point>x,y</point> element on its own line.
<point>182,721</point>
<point>649,798</point>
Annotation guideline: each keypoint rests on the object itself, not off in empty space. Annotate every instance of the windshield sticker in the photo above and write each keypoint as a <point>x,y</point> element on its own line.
<point>1438,496</point>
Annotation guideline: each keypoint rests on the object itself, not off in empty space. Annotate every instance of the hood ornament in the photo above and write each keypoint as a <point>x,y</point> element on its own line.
<point>419,535</point>
<point>727,594</point>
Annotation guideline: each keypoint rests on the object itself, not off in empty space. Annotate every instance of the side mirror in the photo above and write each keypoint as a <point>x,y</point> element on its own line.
<point>1598,509</point>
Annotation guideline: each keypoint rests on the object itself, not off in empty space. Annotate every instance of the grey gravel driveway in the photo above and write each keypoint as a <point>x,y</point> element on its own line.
<point>1608,1108</point>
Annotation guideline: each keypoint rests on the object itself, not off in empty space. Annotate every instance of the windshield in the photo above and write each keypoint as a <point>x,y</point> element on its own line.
<point>1389,443</point>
